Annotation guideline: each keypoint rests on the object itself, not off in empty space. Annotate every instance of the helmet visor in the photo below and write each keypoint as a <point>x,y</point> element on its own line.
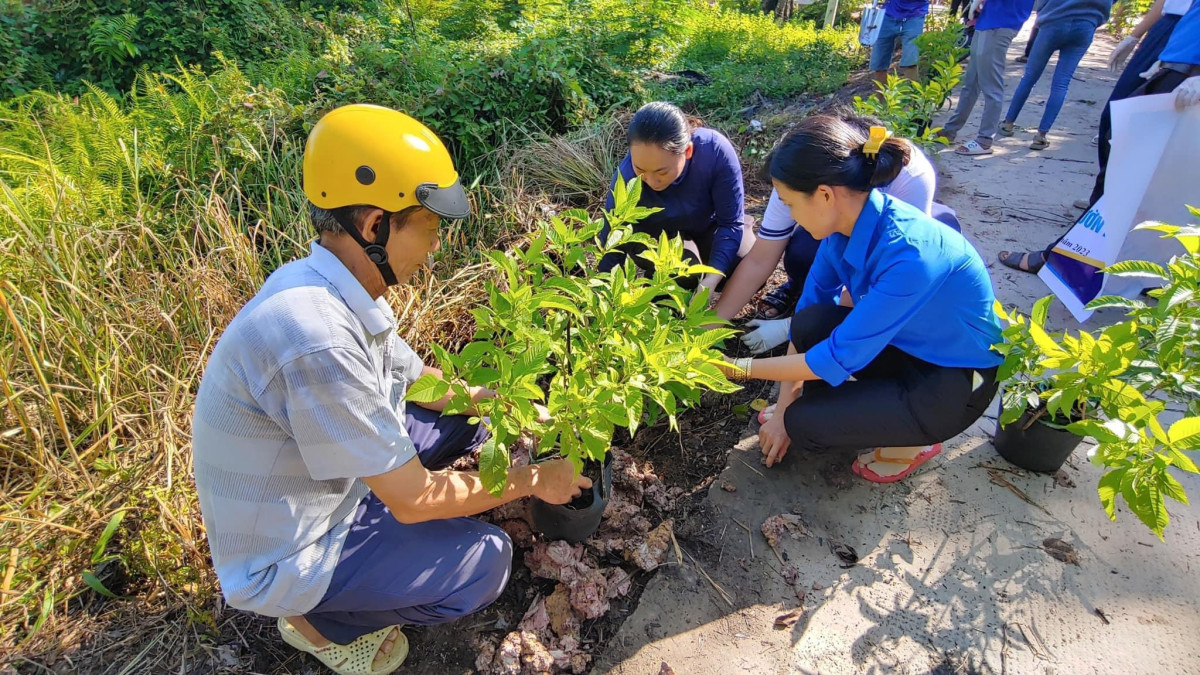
<point>447,202</point>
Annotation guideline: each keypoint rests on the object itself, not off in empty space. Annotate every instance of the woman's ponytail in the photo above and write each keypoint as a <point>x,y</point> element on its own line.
<point>893,155</point>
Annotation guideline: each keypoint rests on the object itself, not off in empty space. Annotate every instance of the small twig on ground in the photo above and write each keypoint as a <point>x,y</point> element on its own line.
<point>991,467</point>
<point>722,552</point>
<point>749,536</point>
<point>1001,481</point>
<point>750,467</point>
<point>720,591</point>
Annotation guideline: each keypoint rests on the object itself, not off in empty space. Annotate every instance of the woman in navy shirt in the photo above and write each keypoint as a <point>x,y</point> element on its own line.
<point>694,176</point>
<point>911,364</point>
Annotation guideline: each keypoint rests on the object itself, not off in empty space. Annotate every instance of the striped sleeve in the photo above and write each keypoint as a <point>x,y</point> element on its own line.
<point>777,221</point>
<point>344,426</point>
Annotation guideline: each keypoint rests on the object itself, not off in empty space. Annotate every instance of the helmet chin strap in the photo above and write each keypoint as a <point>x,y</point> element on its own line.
<point>376,251</point>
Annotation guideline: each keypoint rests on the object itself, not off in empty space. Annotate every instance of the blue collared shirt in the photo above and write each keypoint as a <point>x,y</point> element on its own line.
<point>917,285</point>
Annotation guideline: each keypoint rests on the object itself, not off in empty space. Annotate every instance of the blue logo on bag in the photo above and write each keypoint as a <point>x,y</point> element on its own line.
<point>1093,221</point>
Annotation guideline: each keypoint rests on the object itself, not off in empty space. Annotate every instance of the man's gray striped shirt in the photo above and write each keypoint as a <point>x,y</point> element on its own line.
<point>302,397</point>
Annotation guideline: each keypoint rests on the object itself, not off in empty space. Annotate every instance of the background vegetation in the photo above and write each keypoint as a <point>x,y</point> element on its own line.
<point>149,180</point>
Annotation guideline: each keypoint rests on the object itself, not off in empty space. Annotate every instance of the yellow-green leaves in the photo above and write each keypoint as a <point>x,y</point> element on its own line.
<point>427,389</point>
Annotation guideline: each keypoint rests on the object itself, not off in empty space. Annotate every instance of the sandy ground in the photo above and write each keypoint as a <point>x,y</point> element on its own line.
<point>953,577</point>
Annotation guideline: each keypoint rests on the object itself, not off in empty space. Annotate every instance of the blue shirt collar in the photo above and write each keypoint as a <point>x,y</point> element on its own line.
<point>375,314</point>
<point>864,230</point>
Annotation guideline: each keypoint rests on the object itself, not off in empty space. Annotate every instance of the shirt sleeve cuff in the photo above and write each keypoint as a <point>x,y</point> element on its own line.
<point>820,360</point>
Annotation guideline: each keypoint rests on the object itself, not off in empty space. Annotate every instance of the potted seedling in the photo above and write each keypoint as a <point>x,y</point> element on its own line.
<point>598,350</point>
<point>1053,380</point>
<point>1155,424</point>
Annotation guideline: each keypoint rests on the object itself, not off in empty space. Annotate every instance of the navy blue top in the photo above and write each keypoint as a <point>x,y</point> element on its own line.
<point>708,195</point>
<point>917,285</point>
<point>1004,14</point>
<point>906,9</point>
<point>1184,43</point>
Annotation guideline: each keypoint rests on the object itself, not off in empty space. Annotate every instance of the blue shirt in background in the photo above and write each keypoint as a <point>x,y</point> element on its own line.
<point>917,285</point>
<point>1184,44</point>
<point>1094,12</point>
<point>1004,14</point>
<point>906,9</point>
<point>708,195</point>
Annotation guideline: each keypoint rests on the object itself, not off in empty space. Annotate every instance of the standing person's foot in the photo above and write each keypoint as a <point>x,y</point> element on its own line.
<point>1007,128</point>
<point>973,148</point>
<point>1039,142</point>
<point>1030,261</point>
<point>1022,59</point>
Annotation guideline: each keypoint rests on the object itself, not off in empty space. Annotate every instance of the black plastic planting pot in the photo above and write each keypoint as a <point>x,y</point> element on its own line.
<point>578,519</point>
<point>1035,447</point>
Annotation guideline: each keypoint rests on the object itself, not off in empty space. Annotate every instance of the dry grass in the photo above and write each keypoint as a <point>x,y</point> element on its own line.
<point>573,170</point>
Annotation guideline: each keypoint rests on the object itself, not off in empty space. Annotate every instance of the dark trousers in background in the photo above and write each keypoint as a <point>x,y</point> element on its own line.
<point>1162,83</point>
<point>1032,36</point>
<point>427,573</point>
<point>897,400</point>
<point>1152,44</point>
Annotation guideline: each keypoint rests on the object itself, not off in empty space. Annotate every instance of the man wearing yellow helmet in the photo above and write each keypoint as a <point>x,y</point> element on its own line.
<point>325,496</point>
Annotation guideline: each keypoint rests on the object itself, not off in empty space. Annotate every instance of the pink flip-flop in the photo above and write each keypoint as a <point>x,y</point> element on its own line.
<point>862,471</point>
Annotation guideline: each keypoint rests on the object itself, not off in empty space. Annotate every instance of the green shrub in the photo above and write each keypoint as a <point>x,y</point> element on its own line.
<point>743,54</point>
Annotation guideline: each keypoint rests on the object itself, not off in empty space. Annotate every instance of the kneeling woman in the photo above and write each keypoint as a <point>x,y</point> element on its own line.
<point>694,176</point>
<point>910,365</point>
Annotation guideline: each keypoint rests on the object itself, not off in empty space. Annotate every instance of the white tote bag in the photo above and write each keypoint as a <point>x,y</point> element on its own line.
<point>870,23</point>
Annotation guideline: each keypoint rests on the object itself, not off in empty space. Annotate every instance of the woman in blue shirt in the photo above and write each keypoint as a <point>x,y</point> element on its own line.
<point>694,176</point>
<point>910,365</point>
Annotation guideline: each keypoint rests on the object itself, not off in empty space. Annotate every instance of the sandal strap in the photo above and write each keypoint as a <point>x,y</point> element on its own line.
<point>891,460</point>
<point>355,658</point>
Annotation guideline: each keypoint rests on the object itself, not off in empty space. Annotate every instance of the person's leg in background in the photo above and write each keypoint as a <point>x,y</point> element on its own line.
<point>910,53</point>
<point>1073,42</point>
<point>1164,82</point>
<point>883,49</point>
<point>1146,54</point>
<point>1024,58</point>
<point>968,93</point>
<point>1038,58</point>
<point>991,82</point>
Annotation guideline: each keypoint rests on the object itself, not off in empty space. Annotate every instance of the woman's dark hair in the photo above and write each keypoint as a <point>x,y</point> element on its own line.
<point>826,150</point>
<point>662,124</point>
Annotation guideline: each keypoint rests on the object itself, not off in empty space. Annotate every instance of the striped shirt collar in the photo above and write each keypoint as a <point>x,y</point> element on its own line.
<point>375,314</point>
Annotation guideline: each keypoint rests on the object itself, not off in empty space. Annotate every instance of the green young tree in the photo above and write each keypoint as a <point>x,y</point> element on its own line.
<point>599,350</point>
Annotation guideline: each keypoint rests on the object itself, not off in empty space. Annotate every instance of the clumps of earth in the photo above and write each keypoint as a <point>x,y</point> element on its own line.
<point>547,639</point>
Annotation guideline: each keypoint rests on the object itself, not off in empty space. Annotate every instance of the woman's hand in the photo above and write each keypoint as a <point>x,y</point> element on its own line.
<point>773,439</point>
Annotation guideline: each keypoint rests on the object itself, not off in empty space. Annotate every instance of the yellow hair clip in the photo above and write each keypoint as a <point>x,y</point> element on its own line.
<point>878,136</point>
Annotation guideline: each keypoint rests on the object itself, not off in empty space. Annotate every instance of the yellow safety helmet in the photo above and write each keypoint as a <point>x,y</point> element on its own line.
<point>370,155</point>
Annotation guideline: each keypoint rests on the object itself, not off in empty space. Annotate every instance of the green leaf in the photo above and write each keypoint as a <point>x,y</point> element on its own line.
<point>106,536</point>
<point>1040,309</point>
<point>1110,484</point>
<point>1106,301</point>
<point>1183,431</point>
<point>493,466</point>
<point>1094,429</point>
<point>1182,461</point>
<point>96,585</point>
<point>427,389</point>
<point>1172,487</point>
<point>1137,268</point>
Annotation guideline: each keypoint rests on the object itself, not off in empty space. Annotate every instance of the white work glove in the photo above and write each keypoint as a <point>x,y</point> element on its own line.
<point>767,334</point>
<point>973,11</point>
<point>1187,94</point>
<point>1121,53</point>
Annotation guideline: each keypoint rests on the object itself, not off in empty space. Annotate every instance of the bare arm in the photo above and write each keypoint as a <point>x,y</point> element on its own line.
<point>1152,15</point>
<point>415,494</point>
<point>749,276</point>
